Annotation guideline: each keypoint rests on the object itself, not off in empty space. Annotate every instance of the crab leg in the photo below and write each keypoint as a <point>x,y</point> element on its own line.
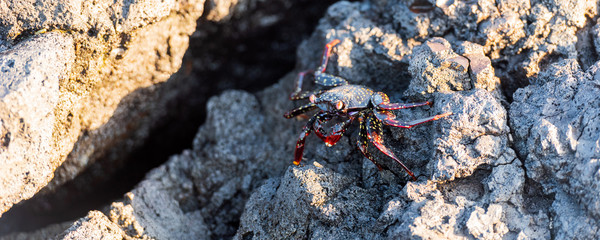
<point>374,131</point>
<point>300,110</point>
<point>396,106</point>
<point>382,101</point>
<point>362,142</point>
<point>389,119</point>
<point>304,95</point>
<point>298,85</point>
<point>323,78</point>
<point>326,54</point>
<point>298,93</point>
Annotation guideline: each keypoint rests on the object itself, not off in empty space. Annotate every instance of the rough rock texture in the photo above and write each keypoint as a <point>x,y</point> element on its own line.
<point>477,188</point>
<point>94,226</point>
<point>29,92</point>
<point>120,99</point>
<point>200,194</point>
<point>502,166</point>
<point>124,82</point>
<point>435,67</point>
<point>91,70</point>
<point>48,232</point>
<point>518,36</point>
<point>556,123</point>
<point>471,184</point>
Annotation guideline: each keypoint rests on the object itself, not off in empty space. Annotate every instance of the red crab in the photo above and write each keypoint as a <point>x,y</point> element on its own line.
<point>348,102</point>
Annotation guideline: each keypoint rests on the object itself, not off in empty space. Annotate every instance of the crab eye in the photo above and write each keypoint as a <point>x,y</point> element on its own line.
<point>339,105</point>
<point>312,98</point>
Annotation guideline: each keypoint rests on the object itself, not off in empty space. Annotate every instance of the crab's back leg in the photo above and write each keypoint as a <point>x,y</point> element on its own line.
<point>298,94</point>
<point>326,54</point>
<point>323,78</point>
<point>363,141</point>
<point>300,110</point>
<point>382,101</point>
<point>374,132</point>
<point>389,119</point>
<point>300,80</point>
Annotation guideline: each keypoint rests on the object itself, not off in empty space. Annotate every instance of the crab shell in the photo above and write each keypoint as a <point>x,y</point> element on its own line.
<point>342,98</point>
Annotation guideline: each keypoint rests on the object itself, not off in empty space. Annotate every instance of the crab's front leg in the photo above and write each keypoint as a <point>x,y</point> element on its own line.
<point>374,132</point>
<point>382,102</point>
<point>300,110</point>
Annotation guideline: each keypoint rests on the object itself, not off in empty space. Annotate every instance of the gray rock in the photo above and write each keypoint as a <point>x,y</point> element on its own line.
<point>158,208</point>
<point>102,16</point>
<point>596,36</point>
<point>435,63</point>
<point>69,75</point>
<point>555,121</point>
<point>93,226</point>
<point>487,224</point>
<point>465,208</point>
<point>435,67</point>
<point>124,101</point>
<point>471,185</point>
<point>30,73</point>
<point>309,201</point>
<point>475,134</point>
<point>517,35</point>
<point>457,153</point>
<point>206,187</point>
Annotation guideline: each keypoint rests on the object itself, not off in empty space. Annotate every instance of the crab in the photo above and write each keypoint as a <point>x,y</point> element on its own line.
<point>347,103</point>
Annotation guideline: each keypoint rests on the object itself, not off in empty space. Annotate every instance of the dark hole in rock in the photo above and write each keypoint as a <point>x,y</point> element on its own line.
<point>248,236</point>
<point>586,49</point>
<point>6,140</point>
<point>249,59</point>
<point>512,77</point>
<point>469,187</point>
<point>534,198</point>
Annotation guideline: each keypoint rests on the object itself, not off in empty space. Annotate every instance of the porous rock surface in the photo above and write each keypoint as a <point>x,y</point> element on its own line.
<point>480,175</point>
<point>556,123</point>
<point>29,93</point>
<point>201,193</point>
<point>113,82</point>
<point>79,82</point>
